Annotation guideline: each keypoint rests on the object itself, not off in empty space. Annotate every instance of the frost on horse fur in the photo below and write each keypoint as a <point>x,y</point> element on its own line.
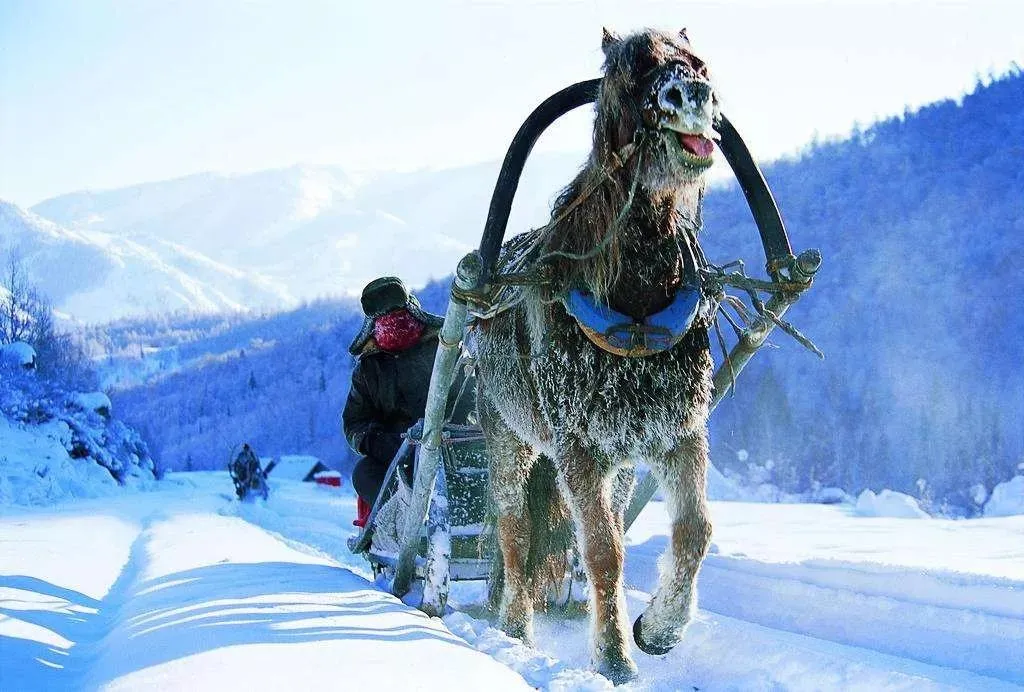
<point>624,230</point>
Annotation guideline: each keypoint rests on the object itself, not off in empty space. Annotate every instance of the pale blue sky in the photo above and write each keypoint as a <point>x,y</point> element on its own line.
<point>97,94</point>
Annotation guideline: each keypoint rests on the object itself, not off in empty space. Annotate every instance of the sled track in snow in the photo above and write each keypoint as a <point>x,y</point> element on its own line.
<point>941,619</point>
<point>81,624</point>
<point>860,624</point>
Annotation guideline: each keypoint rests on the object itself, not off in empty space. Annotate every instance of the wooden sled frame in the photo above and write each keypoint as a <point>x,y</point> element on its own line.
<point>455,518</point>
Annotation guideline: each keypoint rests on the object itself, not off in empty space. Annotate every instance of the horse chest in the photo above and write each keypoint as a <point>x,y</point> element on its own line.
<point>627,407</point>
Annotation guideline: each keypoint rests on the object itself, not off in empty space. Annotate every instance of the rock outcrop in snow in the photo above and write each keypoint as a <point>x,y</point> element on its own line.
<point>92,401</point>
<point>18,354</point>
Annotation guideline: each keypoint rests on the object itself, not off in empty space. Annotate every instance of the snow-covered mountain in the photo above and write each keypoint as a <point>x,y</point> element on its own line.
<point>94,276</point>
<point>311,231</point>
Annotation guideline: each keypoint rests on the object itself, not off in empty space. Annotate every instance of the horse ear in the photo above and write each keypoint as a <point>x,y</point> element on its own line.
<point>682,35</point>
<point>608,39</point>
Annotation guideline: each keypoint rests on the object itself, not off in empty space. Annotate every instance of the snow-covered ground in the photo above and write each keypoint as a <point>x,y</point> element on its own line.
<point>184,588</point>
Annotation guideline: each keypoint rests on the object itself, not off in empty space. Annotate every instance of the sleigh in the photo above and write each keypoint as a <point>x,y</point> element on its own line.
<point>451,544</point>
<point>437,529</point>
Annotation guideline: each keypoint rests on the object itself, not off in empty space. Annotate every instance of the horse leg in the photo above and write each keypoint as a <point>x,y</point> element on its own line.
<point>622,492</point>
<point>600,541</point>
<point>683,478</point>
<point>510,464</point>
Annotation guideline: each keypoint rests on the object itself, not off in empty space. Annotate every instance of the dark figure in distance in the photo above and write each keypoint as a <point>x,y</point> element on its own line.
<point>248,476</point>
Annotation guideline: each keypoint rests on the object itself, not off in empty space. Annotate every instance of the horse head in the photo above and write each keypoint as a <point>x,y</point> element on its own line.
<point>657,93</point>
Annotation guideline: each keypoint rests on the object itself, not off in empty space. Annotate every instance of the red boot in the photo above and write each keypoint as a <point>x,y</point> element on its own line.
<point>362,512</point>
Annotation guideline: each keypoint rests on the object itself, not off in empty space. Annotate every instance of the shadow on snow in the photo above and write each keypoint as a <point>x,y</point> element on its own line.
<point>200,610</point>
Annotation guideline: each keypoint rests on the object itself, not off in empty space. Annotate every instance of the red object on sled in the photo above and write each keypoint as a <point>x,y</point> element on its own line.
<point>362,512</point>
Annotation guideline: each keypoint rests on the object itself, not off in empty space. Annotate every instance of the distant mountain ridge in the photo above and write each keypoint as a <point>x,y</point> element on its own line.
<point>307,232</point>
<point>95,276</point>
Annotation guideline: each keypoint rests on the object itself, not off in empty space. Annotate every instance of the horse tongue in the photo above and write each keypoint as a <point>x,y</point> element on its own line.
<point>698,145</point>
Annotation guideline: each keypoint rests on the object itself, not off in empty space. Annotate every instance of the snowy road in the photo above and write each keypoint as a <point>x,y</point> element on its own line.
<point>170,590</point>
<point>182,588</point>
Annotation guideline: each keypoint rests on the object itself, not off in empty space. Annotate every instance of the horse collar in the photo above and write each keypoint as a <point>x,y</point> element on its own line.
<point>622,335</point>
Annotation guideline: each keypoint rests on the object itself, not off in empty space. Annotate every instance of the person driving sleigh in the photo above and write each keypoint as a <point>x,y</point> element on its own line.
<point>395,356</point>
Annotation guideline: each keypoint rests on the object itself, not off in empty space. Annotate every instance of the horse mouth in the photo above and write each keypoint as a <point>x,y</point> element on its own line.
<point>695,149</point>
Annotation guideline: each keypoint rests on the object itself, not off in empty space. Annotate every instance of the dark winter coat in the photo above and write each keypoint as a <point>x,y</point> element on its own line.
<point>389,391</point>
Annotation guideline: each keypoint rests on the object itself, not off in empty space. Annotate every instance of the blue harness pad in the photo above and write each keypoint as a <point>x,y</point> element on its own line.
<point>622,335</point>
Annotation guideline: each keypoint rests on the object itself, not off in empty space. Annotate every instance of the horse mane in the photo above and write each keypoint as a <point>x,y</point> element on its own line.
<point>603,213</point>
<point>578,230</point>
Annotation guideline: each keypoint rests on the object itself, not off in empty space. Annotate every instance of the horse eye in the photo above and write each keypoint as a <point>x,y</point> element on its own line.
<point>645,63</point>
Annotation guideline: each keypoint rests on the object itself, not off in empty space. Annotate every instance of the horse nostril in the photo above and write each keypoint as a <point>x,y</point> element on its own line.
<point>673,97</point>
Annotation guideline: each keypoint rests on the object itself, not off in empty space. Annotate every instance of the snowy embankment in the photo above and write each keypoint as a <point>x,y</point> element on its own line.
<point>1007,499</point>
<point>941,592</point>
<point>35,467</point>
<point>185,588</point>
<point>57,444</point>
<point>888,503</point>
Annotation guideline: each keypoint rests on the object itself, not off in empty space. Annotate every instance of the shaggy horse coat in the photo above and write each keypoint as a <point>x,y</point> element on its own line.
<point>625,232</point>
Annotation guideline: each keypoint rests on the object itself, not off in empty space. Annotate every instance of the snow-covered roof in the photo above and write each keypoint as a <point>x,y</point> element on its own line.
<point>293,467</point>
<point>18,352</point>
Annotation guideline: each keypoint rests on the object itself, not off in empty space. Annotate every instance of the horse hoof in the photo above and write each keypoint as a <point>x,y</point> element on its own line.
<point>619,671</point>
<point>649,648</point>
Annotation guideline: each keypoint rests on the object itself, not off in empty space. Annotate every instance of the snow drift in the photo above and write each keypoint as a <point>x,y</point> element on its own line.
<point>1007,499</point>
<point>57,444</point>
<point>888,503</point>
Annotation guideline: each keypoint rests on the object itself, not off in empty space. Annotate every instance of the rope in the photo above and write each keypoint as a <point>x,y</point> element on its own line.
<point>612,229</point>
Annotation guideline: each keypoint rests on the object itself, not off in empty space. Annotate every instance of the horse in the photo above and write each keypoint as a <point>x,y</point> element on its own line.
<point>606,363</point>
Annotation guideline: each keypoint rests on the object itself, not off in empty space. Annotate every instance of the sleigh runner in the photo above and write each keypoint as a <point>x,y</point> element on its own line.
<point>436,524</point>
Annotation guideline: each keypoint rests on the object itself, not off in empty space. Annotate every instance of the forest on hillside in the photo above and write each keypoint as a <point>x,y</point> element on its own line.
<point>921,223</point>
